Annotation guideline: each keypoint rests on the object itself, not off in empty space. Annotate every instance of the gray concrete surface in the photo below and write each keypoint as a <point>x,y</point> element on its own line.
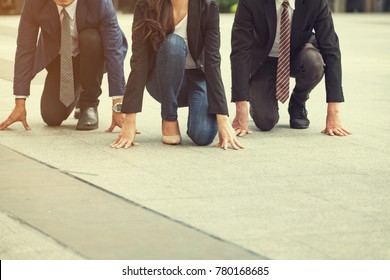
<point>319,197</point>
<point>96,224</point>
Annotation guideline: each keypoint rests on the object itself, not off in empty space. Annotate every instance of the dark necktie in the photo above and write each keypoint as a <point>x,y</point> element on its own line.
<point>67,96</point>
<point>283,70</point>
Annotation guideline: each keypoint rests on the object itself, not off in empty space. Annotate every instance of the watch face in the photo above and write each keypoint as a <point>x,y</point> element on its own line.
<point>117,107</point>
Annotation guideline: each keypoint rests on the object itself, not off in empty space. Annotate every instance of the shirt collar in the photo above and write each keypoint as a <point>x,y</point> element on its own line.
<point>280,2</point>
<point>71,9</point>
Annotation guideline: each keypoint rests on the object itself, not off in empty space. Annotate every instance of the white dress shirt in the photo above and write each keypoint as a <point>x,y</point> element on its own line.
<point>275,48</point>
<point>181,30</point>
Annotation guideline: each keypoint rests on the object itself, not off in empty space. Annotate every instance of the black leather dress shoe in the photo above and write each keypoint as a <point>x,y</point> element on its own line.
<point>89,119</point>
<point>298,114</point>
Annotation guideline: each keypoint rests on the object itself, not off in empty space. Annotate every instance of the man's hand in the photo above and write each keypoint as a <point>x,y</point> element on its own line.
<point>226,134</point>
<point>19,114</point>
<point>333,123</point>
<point>117,118</point>
<point>126,137</point>
<point>240,122</point>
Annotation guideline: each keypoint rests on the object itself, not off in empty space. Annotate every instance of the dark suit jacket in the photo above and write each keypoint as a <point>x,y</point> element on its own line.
<point>42,16</point>
<point>253,35</point>
<point>203,43</point>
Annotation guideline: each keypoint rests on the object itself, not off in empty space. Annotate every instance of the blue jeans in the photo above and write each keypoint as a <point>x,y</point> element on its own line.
<point>170,79</point>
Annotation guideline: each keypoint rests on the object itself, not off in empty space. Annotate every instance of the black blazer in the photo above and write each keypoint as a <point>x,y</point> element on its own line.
<point>203,43</point>
<point>253,35</point>
<point>41,17</point>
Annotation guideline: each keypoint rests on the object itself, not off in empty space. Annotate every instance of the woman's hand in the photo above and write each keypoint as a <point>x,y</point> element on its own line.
<point>126,137</point>
<point>226,133</point>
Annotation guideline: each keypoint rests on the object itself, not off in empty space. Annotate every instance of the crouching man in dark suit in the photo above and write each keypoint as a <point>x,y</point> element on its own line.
<point>78,41</point>
<point>273,40</point>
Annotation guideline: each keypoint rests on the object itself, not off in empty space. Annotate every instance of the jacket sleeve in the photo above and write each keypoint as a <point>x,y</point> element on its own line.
<point>242,44</point>
<point>25,51</point>
<point>114,47</point>
<point>215,89</point>
<point>139,63</point>
<point>328,44</point>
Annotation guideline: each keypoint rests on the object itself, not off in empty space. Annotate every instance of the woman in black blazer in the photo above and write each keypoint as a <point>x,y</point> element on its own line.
<point>176,56</point>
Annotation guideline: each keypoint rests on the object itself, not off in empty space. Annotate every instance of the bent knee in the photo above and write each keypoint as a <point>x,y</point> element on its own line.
<point>51,119</point>
<point>174,45</point>
<point>313,64</point>
<point>174,40</point>
<point>266,123</point>
<point>89,37</point>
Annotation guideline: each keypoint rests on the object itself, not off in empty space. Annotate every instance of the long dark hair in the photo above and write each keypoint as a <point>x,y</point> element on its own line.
<point>157,22</point>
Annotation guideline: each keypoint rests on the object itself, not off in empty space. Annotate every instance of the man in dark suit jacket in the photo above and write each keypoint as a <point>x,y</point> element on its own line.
<point>254,58</point>
<point>97,44</point>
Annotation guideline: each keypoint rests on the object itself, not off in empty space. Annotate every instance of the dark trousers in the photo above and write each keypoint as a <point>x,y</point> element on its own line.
<point>386,5</point>
<point>88,69</point>
<point>307,68</point>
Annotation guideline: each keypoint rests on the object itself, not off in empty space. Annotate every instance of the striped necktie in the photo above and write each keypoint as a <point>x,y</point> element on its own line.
<point>283,70</point>
<point>67,94</point>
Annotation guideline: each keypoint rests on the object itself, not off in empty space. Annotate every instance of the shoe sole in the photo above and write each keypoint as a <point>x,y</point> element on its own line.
<point>299,127</point>
<point>171,140</point>
<point>87,127</point>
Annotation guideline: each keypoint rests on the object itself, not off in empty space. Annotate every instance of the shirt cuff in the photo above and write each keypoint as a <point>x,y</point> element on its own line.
<point>21,96</point>
<point>117,96</point>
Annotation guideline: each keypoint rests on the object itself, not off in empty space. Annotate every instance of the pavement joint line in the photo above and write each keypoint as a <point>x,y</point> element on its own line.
<point>162,215</point>
<point>133,203</point>
<point>58,242</point>
<point>81,173</point>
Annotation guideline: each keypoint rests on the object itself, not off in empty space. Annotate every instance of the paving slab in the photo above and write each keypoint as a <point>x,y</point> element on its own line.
<point>19,241</point>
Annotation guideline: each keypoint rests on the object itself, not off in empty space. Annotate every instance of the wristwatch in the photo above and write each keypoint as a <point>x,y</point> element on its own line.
<point>117,107</point>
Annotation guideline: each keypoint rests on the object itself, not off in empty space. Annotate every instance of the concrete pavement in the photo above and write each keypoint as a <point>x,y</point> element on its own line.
<point>319,197</point>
